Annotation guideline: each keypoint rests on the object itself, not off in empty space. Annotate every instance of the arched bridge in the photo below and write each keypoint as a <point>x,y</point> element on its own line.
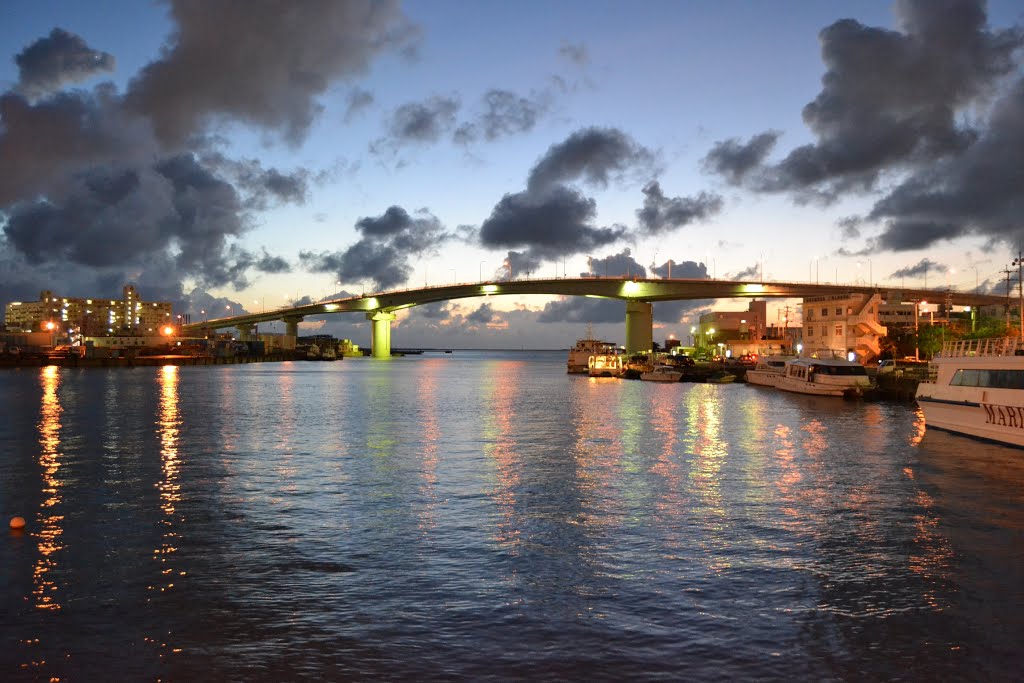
<point>638,293</point>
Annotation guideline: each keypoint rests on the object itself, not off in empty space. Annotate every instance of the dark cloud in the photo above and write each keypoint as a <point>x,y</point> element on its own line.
<point>383,254</point>
<point>661,214</point>
<point>436,311</point>
<point>424,121</point>
<point>750,273</point>
<point>518,264</point>
<point>980,191</point>
<point>891,101</point>
<point>919,269</point>
<point>263,187</point>
<point>504,113</point>
<point>61,58</point>
<point>734,159</point>
<point>684,269</point>
<point>263,64</point>
<point>131,185</point>
<point>357,101</point>
<point>577,54</point>
<point>595,155</point>
<point>617,265</point>
<point>482,315</point>
<point>552,224</point>
<point>268,263</point>
<point>583,310</point>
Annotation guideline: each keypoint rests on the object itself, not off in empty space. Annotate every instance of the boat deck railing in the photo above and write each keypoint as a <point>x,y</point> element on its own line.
<point>999,346</point>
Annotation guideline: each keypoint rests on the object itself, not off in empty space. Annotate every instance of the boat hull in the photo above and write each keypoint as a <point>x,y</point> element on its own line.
<point>818,388</point>
<point>764,378</point>
<point>993,415</point>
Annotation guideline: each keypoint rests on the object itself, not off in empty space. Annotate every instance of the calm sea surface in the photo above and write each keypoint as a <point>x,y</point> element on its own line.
<point>484,516</point>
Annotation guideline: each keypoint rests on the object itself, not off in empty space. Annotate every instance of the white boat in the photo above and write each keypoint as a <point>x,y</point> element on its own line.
<point>767,371</point>
<point>978,390</point>
<point>605,365</point>
<point>662,373</point>
<point>824,377</point>
<point>580,353</point>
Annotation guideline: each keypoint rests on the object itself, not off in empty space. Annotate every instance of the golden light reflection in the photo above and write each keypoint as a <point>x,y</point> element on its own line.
<point>427,396</point>
<point>709,449</point>
<point>598,449</point>
<point>49,522</point>
<point>919,428</point>
<point>501,448</point>
<point>169,486</point>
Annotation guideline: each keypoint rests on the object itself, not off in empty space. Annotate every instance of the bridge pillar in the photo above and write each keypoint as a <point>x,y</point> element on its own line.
<point>291,332</point>
<point>246,332</point>
<point>639,327</point>
<point>380,342</point>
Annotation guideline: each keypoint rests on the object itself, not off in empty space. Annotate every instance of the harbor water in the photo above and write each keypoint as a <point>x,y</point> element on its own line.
<point>484,516</point>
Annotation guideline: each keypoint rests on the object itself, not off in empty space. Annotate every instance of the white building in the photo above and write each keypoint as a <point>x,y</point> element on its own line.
<point>835,326</point>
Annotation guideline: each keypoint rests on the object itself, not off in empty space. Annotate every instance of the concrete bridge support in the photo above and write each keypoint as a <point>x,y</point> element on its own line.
<point>380,342</point>
<point>291,332</point>
<point>246,332</point>
<point>639,327</point>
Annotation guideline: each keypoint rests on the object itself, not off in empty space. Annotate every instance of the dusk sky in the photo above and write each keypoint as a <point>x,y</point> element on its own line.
<point>239,154</point>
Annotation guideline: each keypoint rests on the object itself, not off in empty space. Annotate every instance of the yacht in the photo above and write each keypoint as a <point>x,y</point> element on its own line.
<point>824,377</point>
<point>767,371</point>
<point>580,353</point>
<point>977,390</point>
<point>662,373</point>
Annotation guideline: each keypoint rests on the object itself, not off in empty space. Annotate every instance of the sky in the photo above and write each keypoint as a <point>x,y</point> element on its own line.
<point>231,156</point>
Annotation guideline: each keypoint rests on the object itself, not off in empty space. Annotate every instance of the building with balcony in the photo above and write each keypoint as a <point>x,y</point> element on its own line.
<point>70,319</point>
<point>835,326</point>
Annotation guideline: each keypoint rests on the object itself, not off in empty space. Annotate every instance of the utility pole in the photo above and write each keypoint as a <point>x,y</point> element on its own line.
<point>1020,290</point>
<point>1007,271</point>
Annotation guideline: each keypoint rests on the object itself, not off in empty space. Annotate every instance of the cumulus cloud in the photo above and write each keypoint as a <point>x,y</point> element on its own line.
<point>615,265</point>
<point>263,66</point>
<point>919,269</point>
<point>594,155</point>
<point>661,214</point>
<point>936,107</point>
<point>383,255</point>
<point>503,113</point>
<point>554,224</point>
<point>130,184</point>
<point>425,121</point>
<point>683,269</point>
<point>59,59</point>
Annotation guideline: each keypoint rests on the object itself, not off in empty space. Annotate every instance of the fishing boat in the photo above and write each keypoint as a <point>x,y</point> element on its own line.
<point>977,390</point>
<point>662,373</point>
<point>767,371</point>
<point>824,377</point>
<point>580,353</point>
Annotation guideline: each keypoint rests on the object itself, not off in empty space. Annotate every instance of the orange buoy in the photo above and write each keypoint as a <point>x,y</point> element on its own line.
<point>17,523</point>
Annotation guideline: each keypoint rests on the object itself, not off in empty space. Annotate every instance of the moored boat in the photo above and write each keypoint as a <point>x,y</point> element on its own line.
<point>977,390</point>
<point>824,377</point>
<point>662,373</point>
<point>605,365</point>
<point>767,371</point>
<point>721,377</point>
<point>580,353</point>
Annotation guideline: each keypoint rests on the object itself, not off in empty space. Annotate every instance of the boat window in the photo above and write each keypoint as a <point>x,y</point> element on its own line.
<point>996,379</point>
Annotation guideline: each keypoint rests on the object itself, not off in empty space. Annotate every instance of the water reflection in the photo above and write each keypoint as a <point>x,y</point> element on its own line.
<point>427,396</point>
<point>45,589</point>
<point>169,486</point>
<point>499,431</point>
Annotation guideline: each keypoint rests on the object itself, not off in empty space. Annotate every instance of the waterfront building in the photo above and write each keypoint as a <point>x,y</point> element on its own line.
<point>70,319</point>
<point>835,326</point>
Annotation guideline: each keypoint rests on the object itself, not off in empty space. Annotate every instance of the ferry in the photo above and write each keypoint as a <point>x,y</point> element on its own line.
<point>767,371</point>
<point>580,353</point>
<point>977,390</point>
<point>824,377</point>
<point>605,365</point>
